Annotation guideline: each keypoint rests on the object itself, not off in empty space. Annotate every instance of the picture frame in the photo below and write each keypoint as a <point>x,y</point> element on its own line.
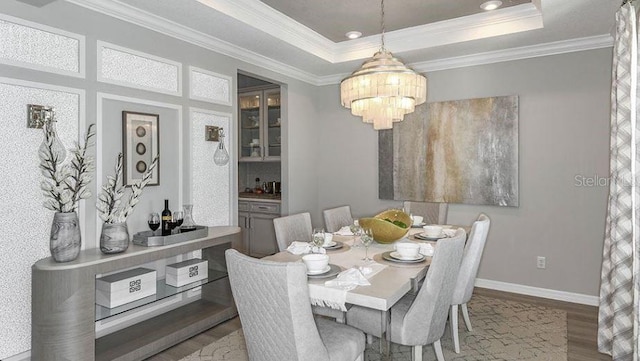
<point>140,144</point>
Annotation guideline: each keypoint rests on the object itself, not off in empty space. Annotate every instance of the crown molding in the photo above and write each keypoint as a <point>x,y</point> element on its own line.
<point>122,11</point>
<point>525,52</point>
<point>510,20</point>
<point>260,16</point>
<point>167,27</point>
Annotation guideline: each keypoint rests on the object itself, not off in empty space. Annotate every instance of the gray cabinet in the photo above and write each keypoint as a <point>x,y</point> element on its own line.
<point>255,218</point>
<point>63,309</point>
<point>259,124</point>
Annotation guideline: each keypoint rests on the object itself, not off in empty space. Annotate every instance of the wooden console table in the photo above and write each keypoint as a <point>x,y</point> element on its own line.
<point>63,309</point>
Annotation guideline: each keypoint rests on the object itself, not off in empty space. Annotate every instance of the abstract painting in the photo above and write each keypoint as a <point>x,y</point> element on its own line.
<point>462,151</point>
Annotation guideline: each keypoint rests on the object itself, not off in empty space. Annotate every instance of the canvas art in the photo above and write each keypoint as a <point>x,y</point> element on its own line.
<point>462,151</point>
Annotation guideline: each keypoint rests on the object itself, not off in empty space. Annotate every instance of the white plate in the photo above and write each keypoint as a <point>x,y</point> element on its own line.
<point>325,270</point>
<point>397,255</point>
<point>329,245</point>
<point>419,225</point>
<point>424,236</point>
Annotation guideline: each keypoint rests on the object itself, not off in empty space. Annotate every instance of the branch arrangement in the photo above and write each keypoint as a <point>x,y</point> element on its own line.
<point>110,198</point>
<point>64,185</point>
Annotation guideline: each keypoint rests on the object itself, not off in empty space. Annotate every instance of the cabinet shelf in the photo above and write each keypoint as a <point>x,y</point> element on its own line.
<point>163,290</point>
<point>252,127</point>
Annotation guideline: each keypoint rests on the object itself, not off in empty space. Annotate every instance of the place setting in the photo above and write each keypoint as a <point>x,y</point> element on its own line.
<point>318,266</point>
<point>433,232</point>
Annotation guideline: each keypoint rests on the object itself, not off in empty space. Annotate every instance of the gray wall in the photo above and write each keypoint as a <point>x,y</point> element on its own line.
<point>564,133</point>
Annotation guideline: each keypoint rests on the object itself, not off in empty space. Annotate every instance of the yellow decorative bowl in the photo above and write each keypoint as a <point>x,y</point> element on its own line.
<point>385,231</point>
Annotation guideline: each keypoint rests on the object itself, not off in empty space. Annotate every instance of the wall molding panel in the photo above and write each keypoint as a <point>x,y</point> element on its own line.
<point>39,47</point>
<point>211,87</point>
<point>100,125</point>
<point>134,69</point>
<point>208,180</point>
<point>26,241</point>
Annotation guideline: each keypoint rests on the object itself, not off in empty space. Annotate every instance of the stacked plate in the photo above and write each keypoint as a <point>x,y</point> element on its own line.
<point>330,271</point>
<point>394,256</point>
<point>333,245</point>
<point>423,236</point>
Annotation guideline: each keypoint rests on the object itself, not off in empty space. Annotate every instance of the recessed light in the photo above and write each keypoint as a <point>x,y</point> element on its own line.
<point>490,5</point>
<point>353,34</point>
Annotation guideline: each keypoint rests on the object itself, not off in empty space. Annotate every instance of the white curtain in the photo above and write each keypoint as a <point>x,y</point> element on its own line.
<point>619,290</point>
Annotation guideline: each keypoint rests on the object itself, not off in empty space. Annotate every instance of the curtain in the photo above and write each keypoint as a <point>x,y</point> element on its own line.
<point>619,289</point>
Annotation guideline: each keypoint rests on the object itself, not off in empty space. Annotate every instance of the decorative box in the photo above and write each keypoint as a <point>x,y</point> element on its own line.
<point>124,287</point>
<point>182,273</point>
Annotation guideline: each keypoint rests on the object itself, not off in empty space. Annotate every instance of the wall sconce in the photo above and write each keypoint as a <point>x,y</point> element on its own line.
<point>216,134</point>
<point>38,115</point>
<point>43,117</point>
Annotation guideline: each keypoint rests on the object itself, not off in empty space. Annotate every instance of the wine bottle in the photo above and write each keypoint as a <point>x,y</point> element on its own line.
<point>166,218</point>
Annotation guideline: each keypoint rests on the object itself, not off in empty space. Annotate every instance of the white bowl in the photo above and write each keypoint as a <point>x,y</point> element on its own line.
<point>432,230</point>
<point>408,249</point>
<point>315,262</point>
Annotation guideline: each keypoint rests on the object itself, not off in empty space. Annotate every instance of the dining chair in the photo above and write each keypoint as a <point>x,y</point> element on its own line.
<point>296,227</point>
<point>274,308</point>
<point>433,213</point>
<point>419,320</point>
<point>336,218</point>
<point>467,275</point>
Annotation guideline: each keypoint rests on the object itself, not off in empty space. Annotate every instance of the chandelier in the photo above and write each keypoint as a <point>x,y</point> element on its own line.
<point>383,90</point>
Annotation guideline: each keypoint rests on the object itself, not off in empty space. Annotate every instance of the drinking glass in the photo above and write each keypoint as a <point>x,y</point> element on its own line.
<point>153,221</point>
<point>356,230</point>
<point>317,237</point>
<point>367,239</point>
<point>178,218</point>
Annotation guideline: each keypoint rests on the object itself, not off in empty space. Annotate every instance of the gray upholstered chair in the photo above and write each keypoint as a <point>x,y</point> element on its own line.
<point>433,213</point>
<point>273,303</point>
<point>467,276</point>
<point>296,227</point>
<point>336,218</point>
<point>420,320</point>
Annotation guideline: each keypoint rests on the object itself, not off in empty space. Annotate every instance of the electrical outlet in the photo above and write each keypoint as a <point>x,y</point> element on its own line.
<point>542,262</point>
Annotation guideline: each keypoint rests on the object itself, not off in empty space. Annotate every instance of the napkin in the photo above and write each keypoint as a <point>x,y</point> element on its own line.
<point>298,248</point>
<point>426,249</point>
<point>348,280</point>
<point>449,232</point>
<point>344,231</point>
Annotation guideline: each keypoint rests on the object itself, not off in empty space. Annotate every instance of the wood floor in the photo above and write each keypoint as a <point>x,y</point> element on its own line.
<point>582,323</point>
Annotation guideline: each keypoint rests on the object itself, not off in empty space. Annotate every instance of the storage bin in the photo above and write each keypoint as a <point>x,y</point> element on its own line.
<point>182,273</point>
<point>124,287</point>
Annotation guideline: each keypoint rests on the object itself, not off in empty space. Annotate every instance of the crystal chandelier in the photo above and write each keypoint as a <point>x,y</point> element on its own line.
<point>383,90</point>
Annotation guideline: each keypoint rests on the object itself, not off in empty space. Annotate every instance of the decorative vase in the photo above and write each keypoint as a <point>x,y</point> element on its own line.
<point>114,238</point>
<point>64,239</point>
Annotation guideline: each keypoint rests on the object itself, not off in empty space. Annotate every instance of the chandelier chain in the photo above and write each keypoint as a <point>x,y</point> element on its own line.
<point>382,23</point>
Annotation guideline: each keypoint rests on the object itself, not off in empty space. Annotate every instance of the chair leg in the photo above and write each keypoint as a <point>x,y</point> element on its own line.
<point>416,353</point>
<point>454,328</point>
<point>465,315</point>
<point>437,347</point>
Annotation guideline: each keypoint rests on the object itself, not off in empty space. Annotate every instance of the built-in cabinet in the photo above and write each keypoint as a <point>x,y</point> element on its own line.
<point>260,122</point>
<point>255,218</point>
<point>64,311</point>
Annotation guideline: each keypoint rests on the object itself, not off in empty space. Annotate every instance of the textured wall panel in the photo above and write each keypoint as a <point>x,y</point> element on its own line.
<point>134,69</point>
<point>210,185</point>
<point>34,46</point>
<point>25,234</point>
<point>210,87</point>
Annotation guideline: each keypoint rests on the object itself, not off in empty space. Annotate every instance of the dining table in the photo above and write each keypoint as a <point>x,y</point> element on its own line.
<point>389,279</point>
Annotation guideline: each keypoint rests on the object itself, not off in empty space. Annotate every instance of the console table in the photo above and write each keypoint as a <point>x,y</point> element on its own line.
<point>63,308</point>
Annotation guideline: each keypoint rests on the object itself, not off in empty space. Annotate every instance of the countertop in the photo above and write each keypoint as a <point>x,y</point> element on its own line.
<point>264,197</point>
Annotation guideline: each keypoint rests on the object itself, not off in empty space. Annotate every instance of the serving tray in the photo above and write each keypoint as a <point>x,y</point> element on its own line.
<point>148,239</point>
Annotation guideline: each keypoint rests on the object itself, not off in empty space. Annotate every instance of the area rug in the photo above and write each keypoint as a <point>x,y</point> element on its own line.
<point>502,330</point>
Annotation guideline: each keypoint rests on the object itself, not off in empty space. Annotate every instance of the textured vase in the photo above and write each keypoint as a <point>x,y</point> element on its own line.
<point>114,238</point>
<point>64,239</point>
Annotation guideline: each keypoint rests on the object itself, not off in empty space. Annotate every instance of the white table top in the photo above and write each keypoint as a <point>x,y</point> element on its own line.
<point>387,286</point>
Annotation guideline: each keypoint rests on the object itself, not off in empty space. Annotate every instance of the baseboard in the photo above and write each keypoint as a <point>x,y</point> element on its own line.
<point>538,292</point>
<point>24,356</point>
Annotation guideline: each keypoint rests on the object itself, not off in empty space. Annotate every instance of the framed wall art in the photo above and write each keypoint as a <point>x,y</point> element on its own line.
<point>139,146</point>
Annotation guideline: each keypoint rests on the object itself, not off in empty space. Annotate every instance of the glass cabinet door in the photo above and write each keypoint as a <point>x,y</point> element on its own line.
<point>273,137</point>
<point>250,115</point>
